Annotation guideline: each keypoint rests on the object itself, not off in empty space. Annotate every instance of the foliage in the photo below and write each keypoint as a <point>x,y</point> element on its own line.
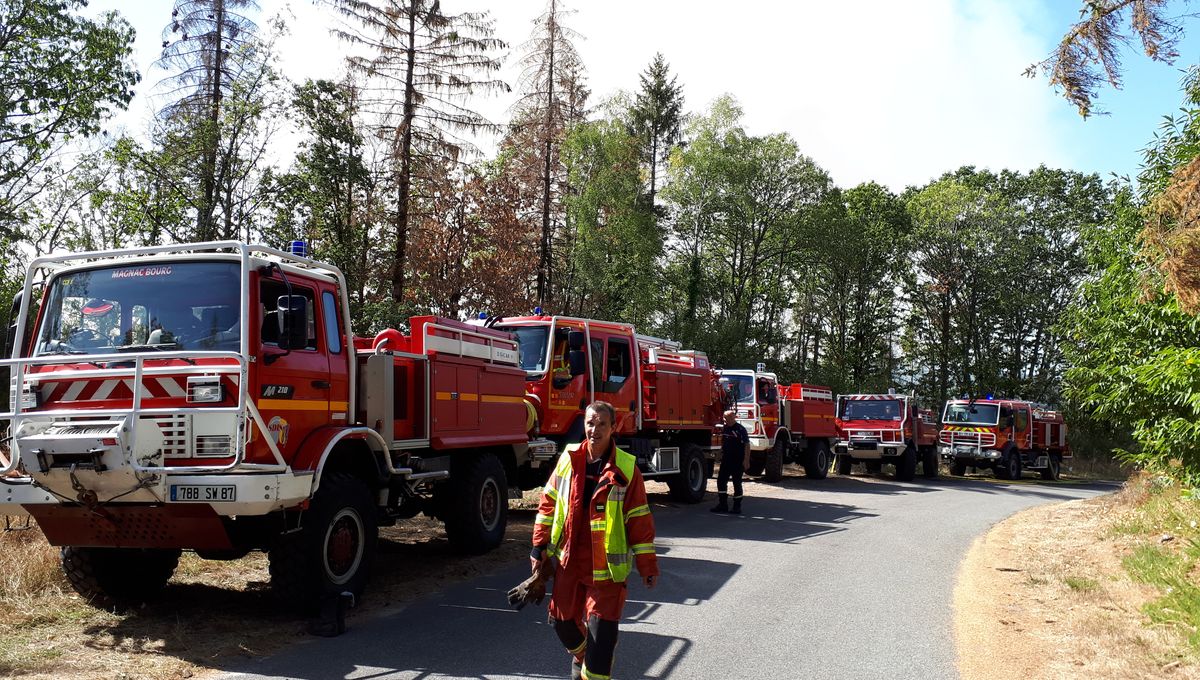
<point>421,64</point>
<point>658,116</point>
<point>1089,54</point>
<point>63,75</point>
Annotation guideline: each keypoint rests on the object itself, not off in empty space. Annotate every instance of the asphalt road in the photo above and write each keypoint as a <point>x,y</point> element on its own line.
<point>839,578</point>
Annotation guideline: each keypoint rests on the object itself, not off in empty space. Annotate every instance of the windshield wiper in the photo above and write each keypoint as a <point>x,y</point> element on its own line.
<point>61,350</point>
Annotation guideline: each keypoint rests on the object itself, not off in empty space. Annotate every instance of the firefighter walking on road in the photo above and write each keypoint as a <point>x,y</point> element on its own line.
<point>735,459</point>
<point>594,522</point>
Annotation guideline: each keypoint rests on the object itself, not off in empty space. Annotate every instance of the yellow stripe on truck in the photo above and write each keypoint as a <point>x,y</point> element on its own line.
<point>301,405</point>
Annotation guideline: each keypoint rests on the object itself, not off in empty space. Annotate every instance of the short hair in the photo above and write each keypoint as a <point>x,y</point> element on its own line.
<point>604,407</point>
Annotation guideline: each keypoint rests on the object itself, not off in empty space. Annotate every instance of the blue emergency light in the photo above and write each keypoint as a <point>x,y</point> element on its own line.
<point>537,311</point>
<point>298,248</point>
<point>483,316</point>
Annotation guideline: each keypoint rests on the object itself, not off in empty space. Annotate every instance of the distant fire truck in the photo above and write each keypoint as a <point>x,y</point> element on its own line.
<point>667,401</point>
<point>212,397</point>
<point>786,423</point>
<point>1005,435</point>
<point>886,428</point>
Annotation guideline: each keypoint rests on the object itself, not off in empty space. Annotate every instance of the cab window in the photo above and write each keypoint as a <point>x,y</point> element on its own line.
<point>617,365</point>
<point>333,332</point>
<point>597,352</point>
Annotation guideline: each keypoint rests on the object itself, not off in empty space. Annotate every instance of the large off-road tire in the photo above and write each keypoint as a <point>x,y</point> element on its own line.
<point>844,463</point>
<point>929,462</point>
<point>332,551</point>
<point>906,465</point>
<point>817,460</point>
<point>1051,473</point>
<point>873,466</point>
<point>758,460</point>
<point>118,578</point>
<point>773,470</point>
<point>478,513</point>
<point>1009,465</point>
<point>958,468</point>
<point>691,483</point>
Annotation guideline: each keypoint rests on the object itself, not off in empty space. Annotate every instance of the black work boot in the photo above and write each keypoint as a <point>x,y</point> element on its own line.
<point>737,505</point>
<point>722,503</point>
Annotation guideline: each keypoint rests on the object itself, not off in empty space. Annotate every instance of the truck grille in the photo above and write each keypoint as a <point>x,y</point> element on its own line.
<point>174,430</point>
<point>217,445</point>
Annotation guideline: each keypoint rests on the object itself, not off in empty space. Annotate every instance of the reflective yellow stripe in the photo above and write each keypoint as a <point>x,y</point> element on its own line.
<point>588,675</point>
<point>642,548</point>
<point>301,405</point>
<point>598,525</point>
<point>577,650</point>
<point>544,519</point>
<point>601,575</point>
<point>500,399</point>
<point>462,396</point>
<point>638,512</point>
<point>551,492</point>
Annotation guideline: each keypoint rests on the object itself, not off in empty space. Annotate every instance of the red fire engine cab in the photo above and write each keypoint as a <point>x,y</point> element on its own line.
<point>875,429</point>
<point>666,398</point>
<point>786,423</point>
<point>212,397</point>
<point>1006,435</point>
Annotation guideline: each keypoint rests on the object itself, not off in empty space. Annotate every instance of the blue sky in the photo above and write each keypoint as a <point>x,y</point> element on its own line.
<point>896,92</point>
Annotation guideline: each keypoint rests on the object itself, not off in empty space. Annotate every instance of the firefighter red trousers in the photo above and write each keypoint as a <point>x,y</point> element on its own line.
<point>585,616</point>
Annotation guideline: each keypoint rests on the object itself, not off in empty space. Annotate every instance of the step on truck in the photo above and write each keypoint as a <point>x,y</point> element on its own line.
<point>213,398</point>
<point>666,398</point>
<point>786,423</point>
<point>876,429</point>
<point>1007,436</point>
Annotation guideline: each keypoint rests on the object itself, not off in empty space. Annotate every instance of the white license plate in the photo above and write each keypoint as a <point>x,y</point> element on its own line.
<point>203,493</point>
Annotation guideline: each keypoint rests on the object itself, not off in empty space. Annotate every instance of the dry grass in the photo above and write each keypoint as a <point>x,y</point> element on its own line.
<point>1054,583</point>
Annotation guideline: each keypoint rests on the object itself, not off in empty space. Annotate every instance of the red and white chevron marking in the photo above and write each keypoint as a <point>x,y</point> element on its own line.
<point>166,387</point>
<point>872,397</point>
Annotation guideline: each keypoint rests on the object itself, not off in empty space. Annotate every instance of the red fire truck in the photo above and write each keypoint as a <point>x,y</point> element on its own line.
<point>212,397</point>
<point>667,401</point>
<point>886,428</point>
<point>786,423</point>
<point>1006,435</point>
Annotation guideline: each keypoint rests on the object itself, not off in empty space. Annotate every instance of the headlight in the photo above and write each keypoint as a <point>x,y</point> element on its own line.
<point>203,389</point>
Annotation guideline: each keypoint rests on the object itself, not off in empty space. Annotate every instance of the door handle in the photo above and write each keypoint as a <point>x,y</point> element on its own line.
<point>321,384</point>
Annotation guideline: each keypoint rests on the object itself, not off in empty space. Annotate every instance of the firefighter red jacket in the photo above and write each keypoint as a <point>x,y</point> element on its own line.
<point>584,528</point>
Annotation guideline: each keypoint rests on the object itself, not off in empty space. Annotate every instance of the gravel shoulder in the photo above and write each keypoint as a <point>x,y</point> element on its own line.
<point>1043,594</point>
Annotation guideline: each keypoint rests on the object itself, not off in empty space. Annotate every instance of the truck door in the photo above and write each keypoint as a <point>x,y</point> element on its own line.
<point>294,385</point>
<point>338,355</point>
<point>618,386</point>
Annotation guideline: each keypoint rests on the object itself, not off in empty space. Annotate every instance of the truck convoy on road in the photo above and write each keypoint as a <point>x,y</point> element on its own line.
<point>875,429</point>
<point>667,401</point>
<point>1005,435</point>
<point>213,397</point>
<point>786,423</point>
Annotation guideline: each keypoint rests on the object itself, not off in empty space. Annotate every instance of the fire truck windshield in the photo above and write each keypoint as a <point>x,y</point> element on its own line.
<point>161,307</point>
<point>532,343</point>
<point>740,386</point>
<point>974,414</point>
<point>871,409</point>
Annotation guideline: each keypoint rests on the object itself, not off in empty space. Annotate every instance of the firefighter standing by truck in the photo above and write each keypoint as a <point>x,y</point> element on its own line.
<point>735,458</point>
<point>594,519</point>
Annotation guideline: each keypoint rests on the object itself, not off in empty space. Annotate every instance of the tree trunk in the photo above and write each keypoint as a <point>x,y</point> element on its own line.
<point>208,182</point>
<point>404,185</point>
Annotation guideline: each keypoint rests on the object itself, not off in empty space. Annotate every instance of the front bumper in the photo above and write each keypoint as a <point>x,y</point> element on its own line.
<point>868,450</point>
<point>969,454</point>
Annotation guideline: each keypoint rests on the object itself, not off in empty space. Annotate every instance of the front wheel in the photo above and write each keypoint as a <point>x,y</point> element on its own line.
<point>773,471</point>
<point>817,461</point>
<point>758,460</point>
<point>1053,469</point>
<point>691,483</point>
<point>929,462</point>
<point>906,467</point>
<point>332,551</point>
<point>118,578</point>
<point>1010,467</point>
<point>844,463</point>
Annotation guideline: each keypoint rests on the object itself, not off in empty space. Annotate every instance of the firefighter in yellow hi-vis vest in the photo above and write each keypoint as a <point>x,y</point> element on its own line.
<point>594,521</point>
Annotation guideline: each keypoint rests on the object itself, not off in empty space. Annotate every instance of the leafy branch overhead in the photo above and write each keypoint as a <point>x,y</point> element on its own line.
<point>1089,54</point>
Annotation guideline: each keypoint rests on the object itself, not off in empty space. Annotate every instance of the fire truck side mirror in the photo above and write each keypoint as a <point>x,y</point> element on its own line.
<point>577,362</point>
<point>293,321</point>
<point>575,341</point>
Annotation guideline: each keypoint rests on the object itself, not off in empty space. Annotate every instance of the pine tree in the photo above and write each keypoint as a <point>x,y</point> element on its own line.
<point>658,115</point>
<point>423,63</point>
